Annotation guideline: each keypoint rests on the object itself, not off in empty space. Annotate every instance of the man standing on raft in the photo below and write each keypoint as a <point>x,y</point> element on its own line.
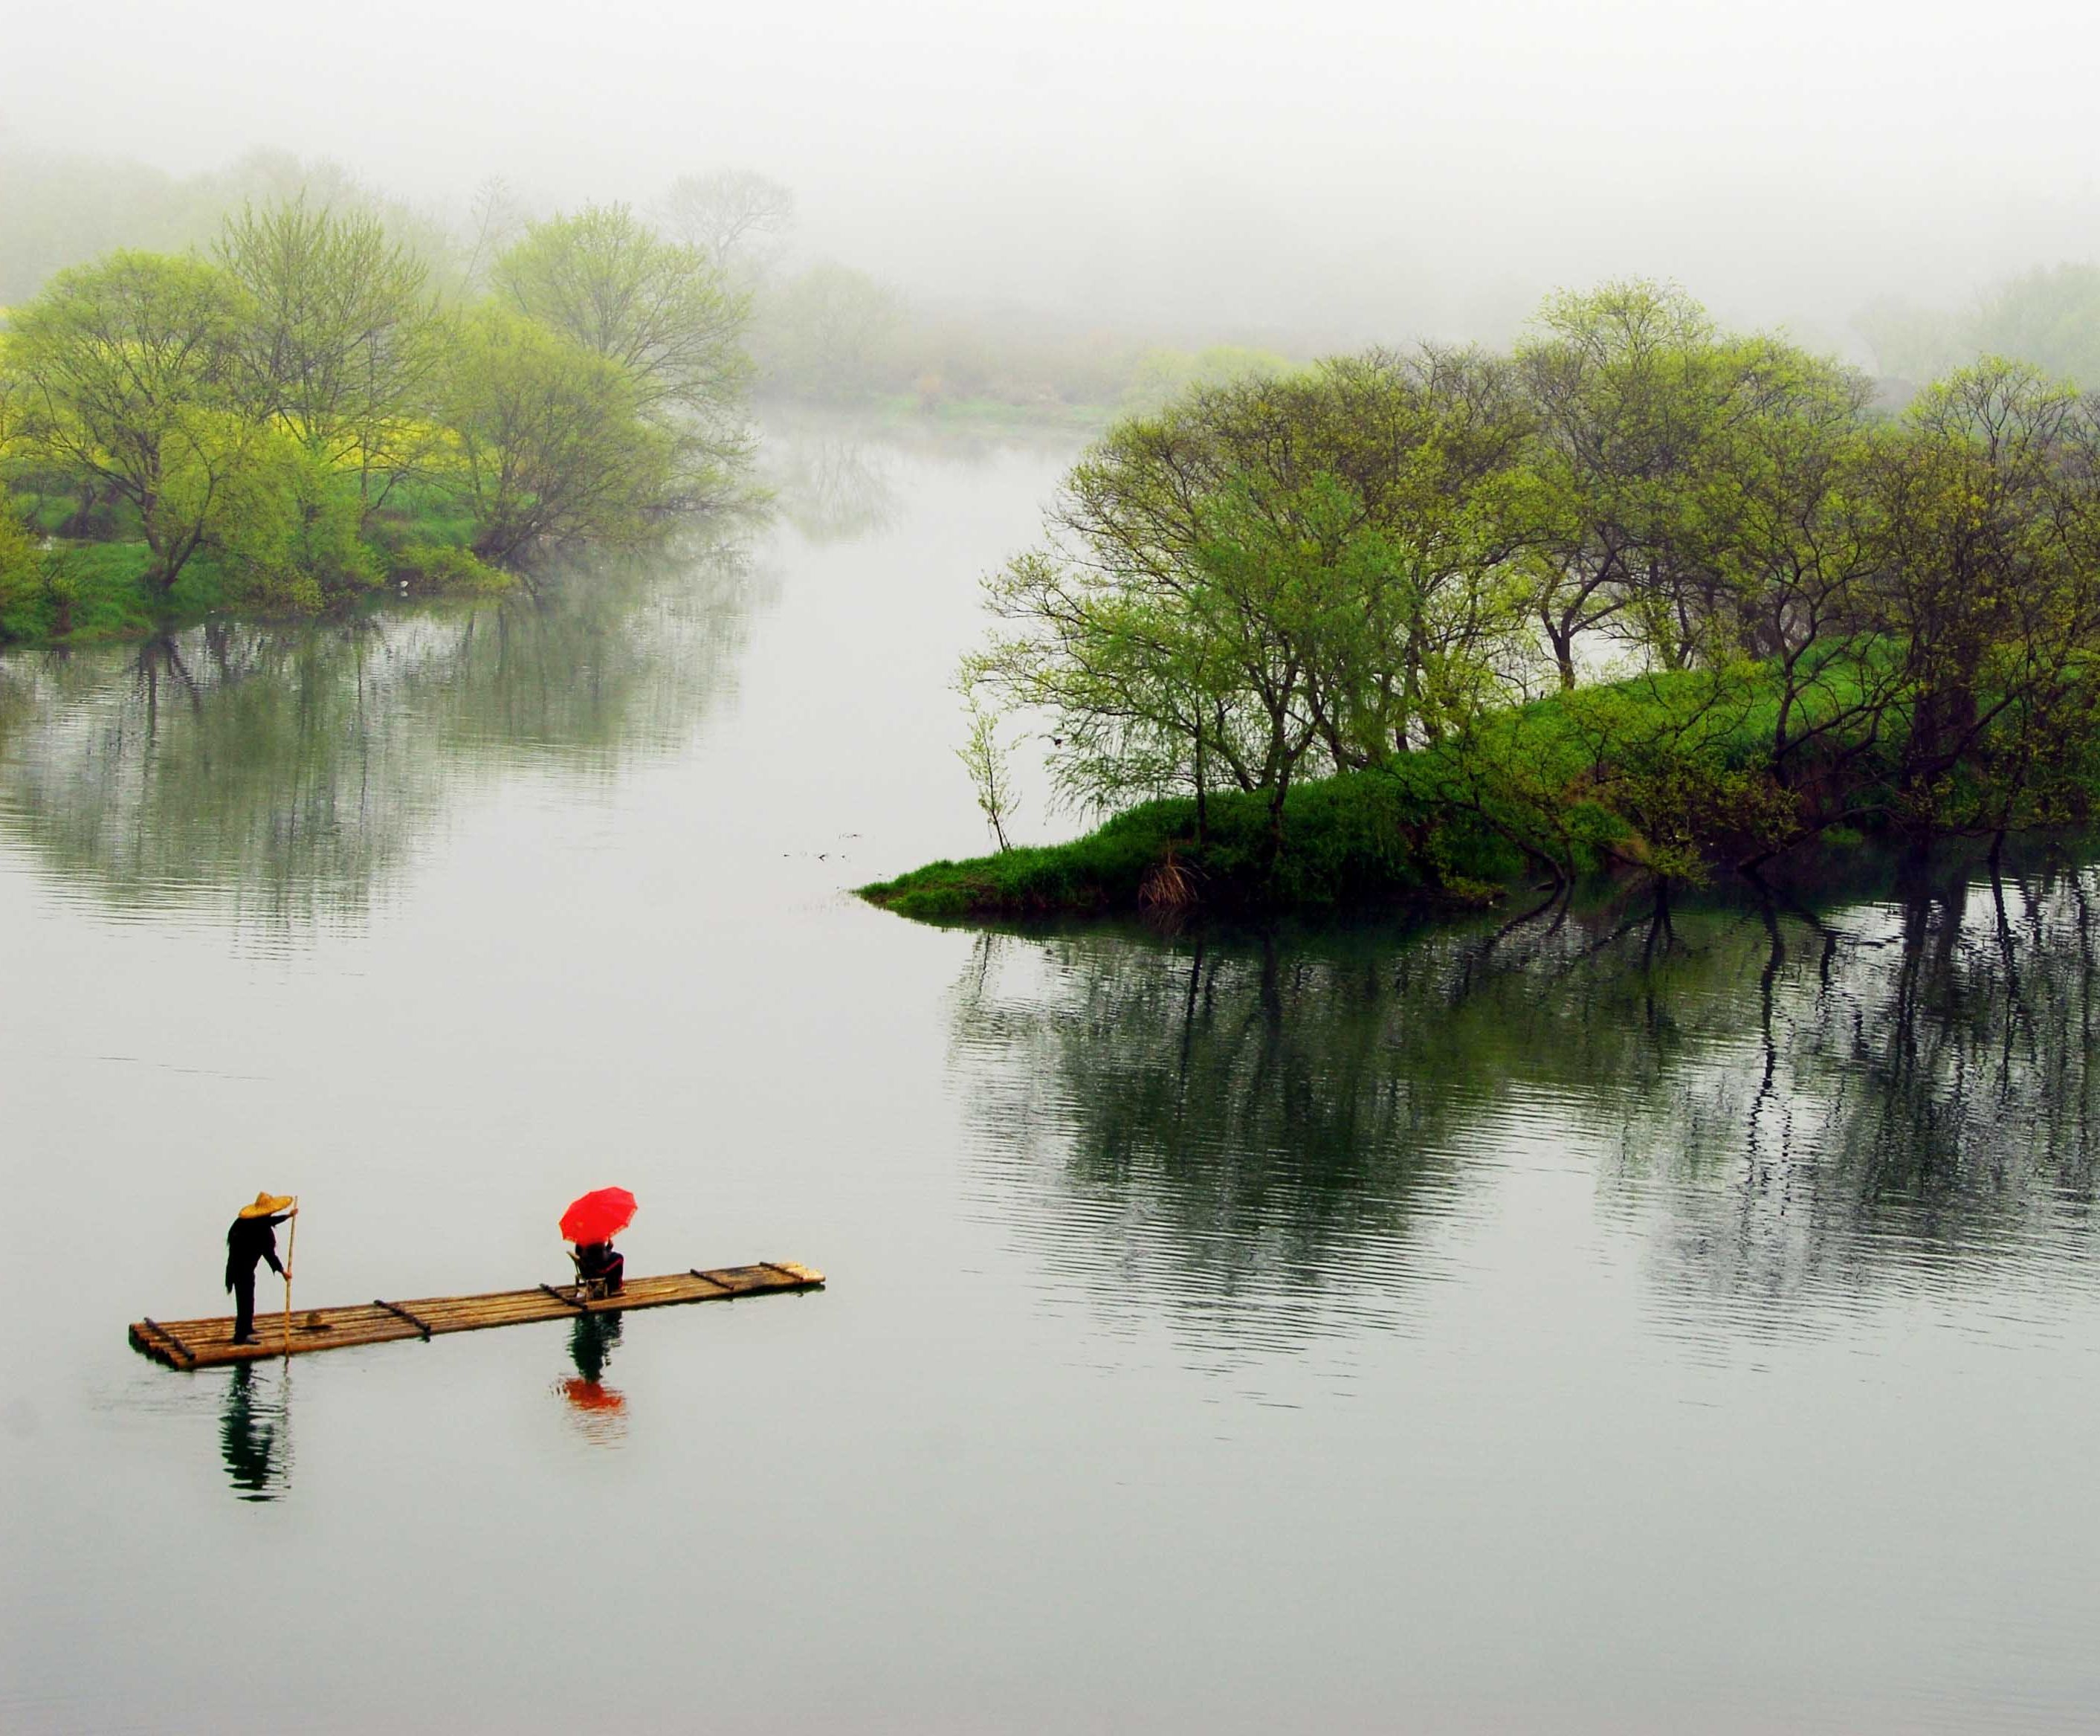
<point>253,1238</point>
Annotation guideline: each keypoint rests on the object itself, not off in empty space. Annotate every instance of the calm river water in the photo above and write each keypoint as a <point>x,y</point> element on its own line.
<point>1594,1326</point>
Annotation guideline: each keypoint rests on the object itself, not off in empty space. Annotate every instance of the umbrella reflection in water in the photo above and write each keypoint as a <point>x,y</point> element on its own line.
<point>598,1410</point>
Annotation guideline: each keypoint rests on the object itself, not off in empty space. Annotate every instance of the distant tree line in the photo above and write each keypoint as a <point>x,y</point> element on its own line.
<point>2050,317</point>
<point>825,331</point>
<point>822,332</point>
<point>310,407</point>
<point>1642,589</point>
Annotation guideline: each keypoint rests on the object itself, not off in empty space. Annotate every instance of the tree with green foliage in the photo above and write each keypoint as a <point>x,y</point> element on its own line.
<point>1988,589</point>
<point>1777,540</point>
<point>550,445</point>
<point>658,309</point>
<point>127,373</point>
<point>1629,382</point>
<point>340,344</point>
<point>1433,442</point>
<point>286,528</point>
<point>1305,571</point>
<point>985,758</point>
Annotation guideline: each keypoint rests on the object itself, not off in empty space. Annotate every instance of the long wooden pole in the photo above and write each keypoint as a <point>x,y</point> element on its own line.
<point>291,1252</point>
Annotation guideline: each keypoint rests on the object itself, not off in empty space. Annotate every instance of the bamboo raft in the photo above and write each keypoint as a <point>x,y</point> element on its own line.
<point>209,1343</point>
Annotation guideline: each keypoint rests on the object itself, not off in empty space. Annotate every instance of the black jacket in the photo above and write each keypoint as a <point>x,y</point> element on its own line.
<point>599,1259</point>
<point>250,1239</point>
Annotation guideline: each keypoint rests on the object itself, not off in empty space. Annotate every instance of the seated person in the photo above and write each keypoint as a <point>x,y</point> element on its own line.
<point>600,1264</point>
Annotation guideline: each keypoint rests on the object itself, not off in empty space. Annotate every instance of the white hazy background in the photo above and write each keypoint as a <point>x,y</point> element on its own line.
<point>1330,172</point>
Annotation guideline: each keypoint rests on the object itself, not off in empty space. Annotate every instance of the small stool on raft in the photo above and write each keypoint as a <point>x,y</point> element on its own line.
<point>598,1288</point>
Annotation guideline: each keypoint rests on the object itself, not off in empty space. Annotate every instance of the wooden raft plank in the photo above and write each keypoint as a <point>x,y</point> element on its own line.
<point>209,1342</point>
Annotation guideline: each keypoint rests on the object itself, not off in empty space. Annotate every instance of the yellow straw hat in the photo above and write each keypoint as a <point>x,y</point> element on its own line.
<point>266,1204</point>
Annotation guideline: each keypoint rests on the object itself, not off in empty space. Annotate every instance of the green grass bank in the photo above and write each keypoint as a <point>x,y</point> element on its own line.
<point>1350,841</point>
<point>59,590</point>
<point>1666,776</point>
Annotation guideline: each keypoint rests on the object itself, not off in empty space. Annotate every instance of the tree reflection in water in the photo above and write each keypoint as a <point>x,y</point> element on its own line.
<point>288,771</point>
<point>255,1432</point>
<point>834,482</point>
<point>836,476</point>
<point>1259,1134</point>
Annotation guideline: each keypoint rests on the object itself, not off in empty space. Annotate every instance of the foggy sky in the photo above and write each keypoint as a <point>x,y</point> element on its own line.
<point>1345,171</point>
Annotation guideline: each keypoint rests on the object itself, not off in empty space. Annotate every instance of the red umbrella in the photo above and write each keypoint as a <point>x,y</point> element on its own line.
<point>598,1216</point>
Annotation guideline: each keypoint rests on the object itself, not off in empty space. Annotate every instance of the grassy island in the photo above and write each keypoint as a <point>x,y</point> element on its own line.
<point>1644,596</point>
<point>1351,842</point>
<point>1658,777</point>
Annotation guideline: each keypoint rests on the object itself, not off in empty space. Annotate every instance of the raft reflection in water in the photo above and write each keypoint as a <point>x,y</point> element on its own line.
<point>254,1433</point>
<point>598,1410</point>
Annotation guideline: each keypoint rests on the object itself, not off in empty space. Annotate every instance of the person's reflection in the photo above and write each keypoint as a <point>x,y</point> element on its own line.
<point>254,1435</point>
<point>599,1410</point>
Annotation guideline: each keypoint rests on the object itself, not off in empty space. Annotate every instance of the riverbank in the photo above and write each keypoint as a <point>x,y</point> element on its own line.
<point>85,593</point>
<point>76,574</point>
<point>104,598</point>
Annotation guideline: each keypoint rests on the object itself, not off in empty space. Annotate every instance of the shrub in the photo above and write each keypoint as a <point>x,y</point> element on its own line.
<point>430,569</point>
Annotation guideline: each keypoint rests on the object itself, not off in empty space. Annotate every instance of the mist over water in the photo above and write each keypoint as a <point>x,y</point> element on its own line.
<point>1578,1319</point>
<point>1328,176</point>
<point>1610,1314</point>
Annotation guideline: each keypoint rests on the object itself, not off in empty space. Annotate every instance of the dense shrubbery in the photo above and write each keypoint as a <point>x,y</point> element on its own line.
<point>303,416</point>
